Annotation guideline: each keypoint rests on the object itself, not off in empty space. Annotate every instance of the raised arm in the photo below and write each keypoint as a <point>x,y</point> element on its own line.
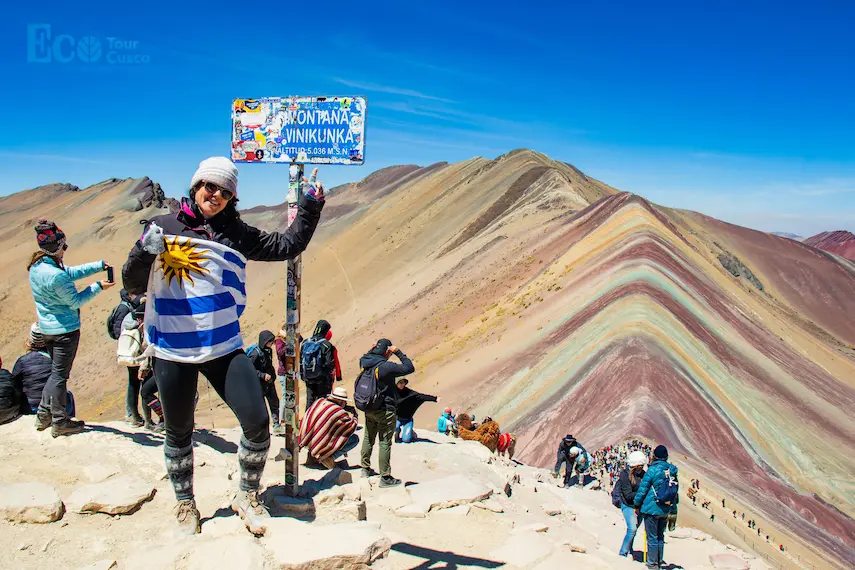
<point>259,245</point>
<point>82,271</point>
<point>64,288</point>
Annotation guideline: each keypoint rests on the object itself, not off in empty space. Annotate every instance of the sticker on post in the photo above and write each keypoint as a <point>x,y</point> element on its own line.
<point>290,400</point>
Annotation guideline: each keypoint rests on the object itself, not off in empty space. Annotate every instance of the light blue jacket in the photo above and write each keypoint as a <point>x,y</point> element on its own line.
<point>444,423</point>
<point>645,498</point>
<point>57,299</point>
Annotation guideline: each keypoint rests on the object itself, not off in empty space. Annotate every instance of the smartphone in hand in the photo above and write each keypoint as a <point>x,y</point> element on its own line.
<point>110,274</point>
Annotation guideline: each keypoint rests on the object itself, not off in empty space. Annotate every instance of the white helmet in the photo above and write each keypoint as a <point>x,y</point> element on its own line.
<point>637,458</point>
<point>574,450</point>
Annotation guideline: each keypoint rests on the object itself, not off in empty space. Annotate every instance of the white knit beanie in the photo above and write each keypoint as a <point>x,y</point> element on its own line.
<point>219,170</point>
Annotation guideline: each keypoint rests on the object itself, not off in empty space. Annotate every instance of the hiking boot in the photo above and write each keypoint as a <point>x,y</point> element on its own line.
<point>389,481</point>
<point>135,421</point>
<point>328,462</point>
<point>253,512</point>
<point>278,430</point>
<point>368,472</point>
<point>156,428</point>
<point>67,427</point>
<point>187,516</point>
<point>43,421</point>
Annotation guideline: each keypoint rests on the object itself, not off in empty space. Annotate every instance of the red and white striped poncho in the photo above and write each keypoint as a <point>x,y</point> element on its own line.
<point>325,428</point>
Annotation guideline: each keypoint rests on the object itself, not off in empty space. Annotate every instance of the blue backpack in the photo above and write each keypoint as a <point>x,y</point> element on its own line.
<point>312,359</point>
<point>666,488</point>
<point>250,349</point>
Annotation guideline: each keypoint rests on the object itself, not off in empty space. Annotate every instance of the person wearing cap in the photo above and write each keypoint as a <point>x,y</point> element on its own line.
<point>572,455</point>
<point>192,267</point>
<point>654,513</point>
<point>380,424</point>
<point>409,401</point>
<point>58,305</point>
<point>445,424</point>
<point>628,482</point>
<point>328,429</point>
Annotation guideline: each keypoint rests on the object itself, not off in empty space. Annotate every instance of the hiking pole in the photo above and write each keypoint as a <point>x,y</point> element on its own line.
<point>644,551</point>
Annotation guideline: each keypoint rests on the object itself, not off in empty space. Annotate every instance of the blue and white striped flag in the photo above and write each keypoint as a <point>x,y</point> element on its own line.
<point>196,295</point>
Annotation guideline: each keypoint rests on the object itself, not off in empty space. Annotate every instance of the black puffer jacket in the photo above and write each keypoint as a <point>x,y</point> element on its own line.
<point>409,401</point>
<point>627,489</point>
<point>387,372</point>
<point>262,356</point>
<point>11,398</point>
<point>228,229</point>
<point>31,372</point>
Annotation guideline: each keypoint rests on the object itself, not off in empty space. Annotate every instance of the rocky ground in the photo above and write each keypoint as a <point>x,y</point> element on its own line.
<point>463,507</point>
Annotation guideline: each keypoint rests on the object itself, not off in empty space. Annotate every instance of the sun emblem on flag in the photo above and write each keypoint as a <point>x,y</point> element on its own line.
<point>179,260</point>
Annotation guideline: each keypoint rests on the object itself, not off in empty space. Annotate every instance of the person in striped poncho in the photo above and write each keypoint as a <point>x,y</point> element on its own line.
<point>328,429</point>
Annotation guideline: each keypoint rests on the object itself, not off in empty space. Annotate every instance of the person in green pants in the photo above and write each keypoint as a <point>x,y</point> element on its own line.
<point>381,423</point>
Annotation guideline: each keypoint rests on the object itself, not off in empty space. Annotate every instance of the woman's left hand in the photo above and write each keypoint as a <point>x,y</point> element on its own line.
<point>315,186</point>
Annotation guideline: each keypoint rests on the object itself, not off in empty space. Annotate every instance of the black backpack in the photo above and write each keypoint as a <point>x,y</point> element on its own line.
<point>616,496</point>
<point>366,392</point>
<point>114,321</point>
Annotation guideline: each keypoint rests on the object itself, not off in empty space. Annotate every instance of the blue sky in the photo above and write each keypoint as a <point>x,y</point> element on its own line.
<point>743,111</point>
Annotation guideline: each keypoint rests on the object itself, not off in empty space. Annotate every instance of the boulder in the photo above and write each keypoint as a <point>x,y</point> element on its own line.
<point>576,547</point>
<point>234,552</point>
<point>449,492</point>
<point>295,506</point>
<point>728,562</point>
<point>553,510</point>
<point>352,511</point>
<point>349,545</point>
<point>98,473</point>
<point>107,564</point>
<point>332,496</point>
<point>413,511</point>
<point>523,550</point>
<point>30,503</point>
<point>116,496</point>
<point>531,527</point>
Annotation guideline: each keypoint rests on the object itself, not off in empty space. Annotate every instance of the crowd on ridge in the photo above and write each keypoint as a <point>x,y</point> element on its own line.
<point>178,316</point>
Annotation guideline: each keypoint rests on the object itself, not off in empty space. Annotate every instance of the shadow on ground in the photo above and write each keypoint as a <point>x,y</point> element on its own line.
<point>451,559</point>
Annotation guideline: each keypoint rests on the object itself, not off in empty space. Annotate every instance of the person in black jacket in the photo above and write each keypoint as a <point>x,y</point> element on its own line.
<point>32,370</point>
<point>628,482</point>
<point>382,422</point>
<point>262,358</point>
<point>205,246</point>
<point>13,404</point>
<point>409,402</point>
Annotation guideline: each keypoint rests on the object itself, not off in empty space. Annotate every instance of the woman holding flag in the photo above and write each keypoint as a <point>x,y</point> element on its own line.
<point>191,266</point>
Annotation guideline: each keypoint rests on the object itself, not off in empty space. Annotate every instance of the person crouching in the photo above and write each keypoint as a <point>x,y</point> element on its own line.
<point>328,429</point>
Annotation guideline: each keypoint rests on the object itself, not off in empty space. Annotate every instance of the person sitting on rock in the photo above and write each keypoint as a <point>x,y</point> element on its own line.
<point>409,402</point>
<point>13,404</point>
<point>445,424</point>
<point>32,371</point>
<point>328,429</point>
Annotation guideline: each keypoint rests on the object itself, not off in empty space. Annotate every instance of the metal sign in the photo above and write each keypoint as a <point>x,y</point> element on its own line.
<point>307,130</point>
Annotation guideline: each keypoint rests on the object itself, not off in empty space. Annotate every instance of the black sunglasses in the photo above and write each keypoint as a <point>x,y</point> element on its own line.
<point>212,188</point>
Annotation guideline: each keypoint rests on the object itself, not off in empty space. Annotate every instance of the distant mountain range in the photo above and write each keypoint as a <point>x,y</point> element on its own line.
<point>839,242</point>
<point>788,236</point>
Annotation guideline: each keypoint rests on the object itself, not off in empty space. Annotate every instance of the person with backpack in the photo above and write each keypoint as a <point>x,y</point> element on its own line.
<point>656,499</point>
<point>319,363</point>
<point>191,264</point>
<point>129,348</point>
<point>409,401</point>
<point>376,395</point>
<point>13,403</point>
<point>623,496</point>
<point>261,356</point>
<point>574,457</point>
<point>58,305</point>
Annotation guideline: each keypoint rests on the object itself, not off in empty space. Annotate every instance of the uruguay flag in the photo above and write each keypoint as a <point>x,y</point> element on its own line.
<point>196,294</point>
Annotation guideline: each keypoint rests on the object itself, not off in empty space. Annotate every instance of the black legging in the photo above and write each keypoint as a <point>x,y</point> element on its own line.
<point>148,389</point>
<point>133,396</point>
<point>269,391</point>
<point>234,379</point>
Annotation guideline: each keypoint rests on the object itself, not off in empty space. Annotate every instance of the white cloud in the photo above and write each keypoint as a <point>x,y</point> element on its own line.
<point>389,89</point>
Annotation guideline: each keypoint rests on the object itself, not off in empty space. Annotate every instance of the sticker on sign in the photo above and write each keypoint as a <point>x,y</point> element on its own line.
<point>308,130</point>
